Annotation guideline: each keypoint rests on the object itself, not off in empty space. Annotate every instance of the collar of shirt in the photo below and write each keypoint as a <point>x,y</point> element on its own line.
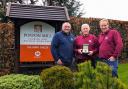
<point>67,34</point>
<point>85,35</point>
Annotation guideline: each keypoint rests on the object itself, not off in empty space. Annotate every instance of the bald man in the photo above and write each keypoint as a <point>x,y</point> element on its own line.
<point>88,39</point>
<point>62,46</point>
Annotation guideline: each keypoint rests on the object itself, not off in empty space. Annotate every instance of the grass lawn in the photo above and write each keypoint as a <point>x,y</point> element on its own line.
<point>123,73</point>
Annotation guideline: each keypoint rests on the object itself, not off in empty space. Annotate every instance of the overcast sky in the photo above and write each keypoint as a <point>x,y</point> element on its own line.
<point>110,9</point>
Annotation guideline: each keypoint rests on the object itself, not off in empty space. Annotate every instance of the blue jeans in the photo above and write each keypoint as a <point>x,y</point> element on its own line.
<point>113,64</point>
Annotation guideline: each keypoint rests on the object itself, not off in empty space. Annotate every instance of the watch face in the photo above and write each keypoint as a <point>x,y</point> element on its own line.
<point>85,48</point>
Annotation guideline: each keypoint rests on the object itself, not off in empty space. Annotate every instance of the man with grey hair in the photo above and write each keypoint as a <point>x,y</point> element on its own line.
<point>62,46</point>
<point>86,39</point>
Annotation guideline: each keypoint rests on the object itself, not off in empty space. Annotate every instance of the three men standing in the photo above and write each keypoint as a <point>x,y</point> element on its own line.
<point>110,45</point>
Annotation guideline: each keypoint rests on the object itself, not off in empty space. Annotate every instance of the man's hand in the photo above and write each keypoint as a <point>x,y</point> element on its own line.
<point>112,58</point>
<point>80,51</point>
<point>90,53</point>
<point>59,62</point>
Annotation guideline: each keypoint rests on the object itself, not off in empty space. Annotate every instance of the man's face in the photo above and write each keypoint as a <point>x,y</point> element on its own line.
<point>66,27</point>
<point>104,26</point>
<point>85,29</point>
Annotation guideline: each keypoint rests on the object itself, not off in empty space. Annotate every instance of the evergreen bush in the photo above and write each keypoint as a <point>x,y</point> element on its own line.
<point>100,78</point>
<point>57,77</point>
<point>20,81</point>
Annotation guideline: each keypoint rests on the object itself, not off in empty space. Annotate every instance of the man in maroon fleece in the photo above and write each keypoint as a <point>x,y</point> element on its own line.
<point>110,45</point>
<point>88,39</point>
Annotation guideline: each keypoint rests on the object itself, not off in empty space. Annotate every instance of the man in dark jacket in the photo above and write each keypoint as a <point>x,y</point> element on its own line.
<point>110,45</point>
<point>62,46</point>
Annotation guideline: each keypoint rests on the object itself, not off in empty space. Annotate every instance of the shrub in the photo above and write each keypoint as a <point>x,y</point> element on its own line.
<point>99,78</point>
<point>20,81</point>
<point>57,77</point>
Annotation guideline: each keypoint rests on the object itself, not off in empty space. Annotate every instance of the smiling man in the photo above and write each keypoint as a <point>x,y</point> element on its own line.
<point>62,46</point>
<point>86,39</point>
<point>110,45</point>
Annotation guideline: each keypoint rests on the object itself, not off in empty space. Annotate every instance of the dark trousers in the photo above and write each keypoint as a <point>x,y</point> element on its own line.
<point>71,66</point>
<point>93,61</point>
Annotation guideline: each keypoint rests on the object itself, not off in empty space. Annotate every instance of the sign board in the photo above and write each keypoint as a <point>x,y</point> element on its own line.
<point>35,42</point>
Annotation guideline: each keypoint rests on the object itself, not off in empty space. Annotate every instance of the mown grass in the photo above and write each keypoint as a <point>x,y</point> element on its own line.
<point>123,73</point>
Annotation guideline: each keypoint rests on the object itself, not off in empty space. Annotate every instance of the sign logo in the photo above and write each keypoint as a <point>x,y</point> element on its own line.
<point>89,41</point>
<point>106,37</point>
<point>37,53</point>
<point>72,39</point>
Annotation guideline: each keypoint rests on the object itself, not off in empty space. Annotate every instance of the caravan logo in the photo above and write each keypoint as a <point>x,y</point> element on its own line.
<point>37,53</point>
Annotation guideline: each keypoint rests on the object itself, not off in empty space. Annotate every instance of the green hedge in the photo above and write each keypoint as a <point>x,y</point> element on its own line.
<point>19,81</point>
<point>57,77</point>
